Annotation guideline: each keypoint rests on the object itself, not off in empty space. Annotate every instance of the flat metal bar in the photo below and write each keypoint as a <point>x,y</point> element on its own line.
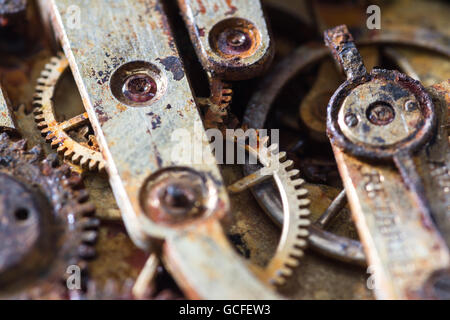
<point>135,141</point>
<point>210,22</point>
<point>401,244</point>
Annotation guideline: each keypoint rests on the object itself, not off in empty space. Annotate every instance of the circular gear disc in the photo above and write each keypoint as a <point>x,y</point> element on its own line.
<point>56,132</point>
<point>46,224</point>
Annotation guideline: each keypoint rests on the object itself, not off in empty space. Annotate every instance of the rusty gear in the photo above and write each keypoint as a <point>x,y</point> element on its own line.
<point>47,223</point>
<point>217,106</point>
<point>87,155</point>
<point>327,243</point>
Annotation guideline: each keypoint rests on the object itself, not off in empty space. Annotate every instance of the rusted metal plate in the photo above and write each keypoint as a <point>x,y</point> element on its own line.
<point>382,178</point>
<point>396,236</point>
<point>136,94</point>
<point>135,140</point>
<point>231,37</point>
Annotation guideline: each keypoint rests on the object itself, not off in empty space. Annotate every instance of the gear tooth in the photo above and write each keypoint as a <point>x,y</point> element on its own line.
<point>101,166</point>
<point>282,156</point>
<point>54,143</point>
<point>40,88</point>
<point>49,66</point>
<point>304,213</point>
<point>45,131</point>
<point>38,110</point>
<point>84,162</point>
<point>273,147</point>
<point>42,125</point>
<point>302,233</point>
<point>82,196</point>
<point>76,158</point>
<point>37,99</point>
<point>298,183</point>
<point>54,61</point>
<point>93,165</point>
<point>287,164</point>
<point>293,173</point>
<point>86,252</point>
<point>301,192</point>
<point>285,273</point>
<point>278,281</point>
<point>292,262</point>
<point>89,223</point>
<point>304,202</point>
<point>42,81</point>
<point>39,117</point>
<point>68,154</point>
<point>89,237</point>
<point>86,209</point>
<point>297,251</point>
<point>46,72</point>
<point>303,223</point>
<point>61,149</point>
<point>301,243</point>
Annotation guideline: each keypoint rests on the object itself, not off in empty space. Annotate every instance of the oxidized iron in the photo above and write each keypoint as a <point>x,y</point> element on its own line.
<point>47,224</point>
<point>389,134</point>
<point>391,208</point>
<point>231,38</point>
<point>130,168</point>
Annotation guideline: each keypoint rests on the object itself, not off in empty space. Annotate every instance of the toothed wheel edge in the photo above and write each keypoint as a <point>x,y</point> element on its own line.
<point>295,232</point>
<point>72,209</point>
<point>50,128</point>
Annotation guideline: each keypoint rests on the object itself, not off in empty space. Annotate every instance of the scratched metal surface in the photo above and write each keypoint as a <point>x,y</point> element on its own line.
<point>201,20</point>
<point>132,35</point>
<point>255,236</point>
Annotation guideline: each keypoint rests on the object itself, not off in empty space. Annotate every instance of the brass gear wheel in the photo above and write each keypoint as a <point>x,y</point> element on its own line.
<point>82,154</point>
<point>47,224</point>
<point>295,204</point>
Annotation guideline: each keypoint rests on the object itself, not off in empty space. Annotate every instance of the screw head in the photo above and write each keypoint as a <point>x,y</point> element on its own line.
<point>236,38</point>
<point>351,119</point>
<point>139,88</point>
<point>177,195</point>
<point>380,113</point>
<point>410,105</point>
<point>234,41</point>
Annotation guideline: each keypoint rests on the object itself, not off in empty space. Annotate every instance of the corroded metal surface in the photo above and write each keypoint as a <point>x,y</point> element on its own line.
<point>47,223</point>
<point>231,37</point>
<point>390,207</point>
<point>86,156</point>
<point>100,71</point>
<point>253,234</point>
<point>6,119</point>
